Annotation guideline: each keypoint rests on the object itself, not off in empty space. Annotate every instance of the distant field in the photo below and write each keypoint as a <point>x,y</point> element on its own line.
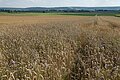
<point>52,14</point>
<point>89,14</point>
<point>117,15</point>
<point>26,14</point>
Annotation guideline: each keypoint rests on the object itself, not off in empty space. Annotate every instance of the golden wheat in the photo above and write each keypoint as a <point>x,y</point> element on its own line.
<point>60,48</point>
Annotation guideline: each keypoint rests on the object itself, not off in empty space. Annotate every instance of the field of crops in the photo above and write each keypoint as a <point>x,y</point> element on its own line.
<point>59,48</point>
<point>117,15</point>
<point>60,13</point>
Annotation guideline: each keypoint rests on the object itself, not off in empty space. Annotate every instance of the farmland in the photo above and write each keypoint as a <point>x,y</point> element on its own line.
<point>59,47</point>
<point>59,13</point>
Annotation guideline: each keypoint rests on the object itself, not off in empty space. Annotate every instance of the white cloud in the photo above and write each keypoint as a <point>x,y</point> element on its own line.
<point>28,3</point>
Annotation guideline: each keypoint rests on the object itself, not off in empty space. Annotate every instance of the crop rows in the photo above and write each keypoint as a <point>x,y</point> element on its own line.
<point>79,49</point>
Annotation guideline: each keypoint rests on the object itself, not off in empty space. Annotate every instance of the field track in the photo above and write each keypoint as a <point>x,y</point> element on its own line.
<point>59,48</point>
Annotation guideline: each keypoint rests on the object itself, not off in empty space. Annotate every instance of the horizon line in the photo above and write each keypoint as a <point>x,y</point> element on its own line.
<point>60,6</point>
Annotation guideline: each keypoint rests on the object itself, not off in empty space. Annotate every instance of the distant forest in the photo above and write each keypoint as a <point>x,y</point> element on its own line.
<point>63,9</point>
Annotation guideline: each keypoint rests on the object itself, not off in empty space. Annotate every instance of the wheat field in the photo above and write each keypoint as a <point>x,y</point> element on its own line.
<point>59,48</point>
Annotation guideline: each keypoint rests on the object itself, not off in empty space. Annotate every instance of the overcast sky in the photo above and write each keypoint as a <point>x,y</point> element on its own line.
<point>58,3</point>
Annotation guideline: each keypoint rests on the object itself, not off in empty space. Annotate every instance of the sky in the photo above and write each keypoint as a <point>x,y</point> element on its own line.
<point>58,3</point>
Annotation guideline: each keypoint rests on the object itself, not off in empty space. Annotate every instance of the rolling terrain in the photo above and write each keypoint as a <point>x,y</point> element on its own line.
<point>59,48</point>
<point>114,8</point>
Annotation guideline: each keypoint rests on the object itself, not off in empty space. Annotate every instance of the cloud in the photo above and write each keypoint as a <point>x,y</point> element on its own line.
<point>30,3</point>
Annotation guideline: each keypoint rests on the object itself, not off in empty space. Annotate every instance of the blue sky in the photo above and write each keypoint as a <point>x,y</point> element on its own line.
<point>56,3</point>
